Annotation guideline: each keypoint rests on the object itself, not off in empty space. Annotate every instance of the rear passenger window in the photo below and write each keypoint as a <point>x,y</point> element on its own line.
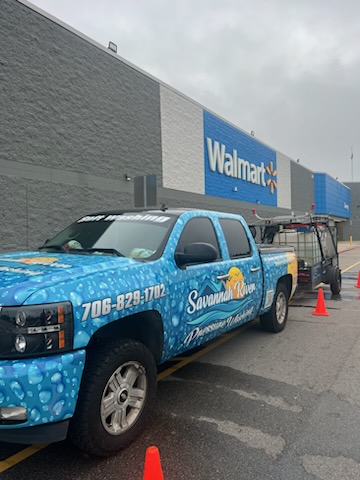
<point>236,238</point>
<point>198,229</point>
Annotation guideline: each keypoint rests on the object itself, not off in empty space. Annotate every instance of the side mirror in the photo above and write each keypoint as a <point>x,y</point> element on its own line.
<point>196,253</point>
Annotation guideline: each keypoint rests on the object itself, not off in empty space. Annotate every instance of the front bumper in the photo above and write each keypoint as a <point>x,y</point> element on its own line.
<point>47,388</point>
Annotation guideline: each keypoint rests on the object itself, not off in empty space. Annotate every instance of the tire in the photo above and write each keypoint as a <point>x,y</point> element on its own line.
<point>335,285</point>
<point>275,319</point>
<point>117,392</point>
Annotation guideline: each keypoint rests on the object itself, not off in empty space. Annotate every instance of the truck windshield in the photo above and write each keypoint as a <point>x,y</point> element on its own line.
<point>136,235</point>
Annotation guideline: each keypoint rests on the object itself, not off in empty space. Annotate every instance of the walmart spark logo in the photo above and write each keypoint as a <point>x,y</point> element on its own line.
<point>271,182</point>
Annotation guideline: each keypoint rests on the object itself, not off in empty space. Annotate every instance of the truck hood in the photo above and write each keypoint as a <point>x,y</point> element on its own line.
<point>23,273</point>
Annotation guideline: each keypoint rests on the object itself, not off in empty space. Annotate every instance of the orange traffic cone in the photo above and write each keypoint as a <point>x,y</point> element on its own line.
<point>358,282</point>
<point>320,305</point>
<point>152,467</point>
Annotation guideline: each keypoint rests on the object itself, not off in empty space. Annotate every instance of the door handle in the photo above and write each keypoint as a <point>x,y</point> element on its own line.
<point>223,277</point>
<point>254,269</point>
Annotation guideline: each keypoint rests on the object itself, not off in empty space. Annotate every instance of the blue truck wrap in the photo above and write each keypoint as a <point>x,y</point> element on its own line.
<point>154,282</point>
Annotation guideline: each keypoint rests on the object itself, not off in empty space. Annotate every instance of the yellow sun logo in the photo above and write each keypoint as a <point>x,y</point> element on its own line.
<point>270,181</point>
<point>235,282</point>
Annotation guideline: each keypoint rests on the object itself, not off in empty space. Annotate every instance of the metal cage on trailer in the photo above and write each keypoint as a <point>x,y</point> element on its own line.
<point>315,240</point>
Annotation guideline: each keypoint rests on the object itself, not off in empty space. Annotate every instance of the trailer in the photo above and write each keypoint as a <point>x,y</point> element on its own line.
<point>315,240</point>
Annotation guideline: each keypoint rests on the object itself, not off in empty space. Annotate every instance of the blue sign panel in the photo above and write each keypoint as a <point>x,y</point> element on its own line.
<point>238,166</point>
<point>331,197</point>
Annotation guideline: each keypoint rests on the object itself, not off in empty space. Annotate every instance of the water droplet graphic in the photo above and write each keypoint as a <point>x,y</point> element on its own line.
<point>35,415</point>
<point>60,388</point>
<point>51,365</point>
<point>34,375</point>
<point>81,339</point>
<point>175,320</point>
<point>56,378</point>
<point>45,396</point>
<point>16,388</point>
<point>67,359</point>
<point>75,382</point>
<point>19,369</point>
<point>76,298</point>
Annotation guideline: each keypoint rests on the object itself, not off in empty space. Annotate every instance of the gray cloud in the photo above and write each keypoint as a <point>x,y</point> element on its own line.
<point>288,70</point>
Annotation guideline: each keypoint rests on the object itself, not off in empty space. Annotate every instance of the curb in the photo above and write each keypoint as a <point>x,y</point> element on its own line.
<point>348,249</point>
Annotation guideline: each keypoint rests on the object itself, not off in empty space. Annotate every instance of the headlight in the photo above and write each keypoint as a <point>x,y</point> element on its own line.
<point>35,330</point>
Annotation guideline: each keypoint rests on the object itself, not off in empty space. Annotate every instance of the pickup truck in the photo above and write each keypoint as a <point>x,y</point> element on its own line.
<point>86,319</point>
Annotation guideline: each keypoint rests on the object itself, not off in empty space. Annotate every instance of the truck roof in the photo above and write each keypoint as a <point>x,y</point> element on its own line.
<point>168,211</point>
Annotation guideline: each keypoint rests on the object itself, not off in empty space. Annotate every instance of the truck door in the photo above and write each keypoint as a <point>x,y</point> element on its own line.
<point>245,269</point>
<point>209,303</point>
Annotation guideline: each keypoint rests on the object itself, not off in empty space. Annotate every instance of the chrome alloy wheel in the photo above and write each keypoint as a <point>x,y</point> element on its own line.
<point>281,308</point>
<point>123,398</point>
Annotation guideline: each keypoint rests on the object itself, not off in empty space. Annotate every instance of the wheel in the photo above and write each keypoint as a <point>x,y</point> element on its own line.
<point>116,394</point>
<point>275,319</point>
<point>335,285</point>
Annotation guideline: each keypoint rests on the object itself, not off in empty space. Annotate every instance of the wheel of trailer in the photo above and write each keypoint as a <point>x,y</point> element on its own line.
<point>335,284</point>
<point>116,394</point>
<point>275,319</point>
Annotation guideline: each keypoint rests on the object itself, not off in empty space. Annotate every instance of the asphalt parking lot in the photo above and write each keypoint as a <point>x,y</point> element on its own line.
<point>258,406</point>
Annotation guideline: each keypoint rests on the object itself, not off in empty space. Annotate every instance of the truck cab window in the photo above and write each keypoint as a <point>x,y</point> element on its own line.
<point>236,238</point>
<point>198,229</point>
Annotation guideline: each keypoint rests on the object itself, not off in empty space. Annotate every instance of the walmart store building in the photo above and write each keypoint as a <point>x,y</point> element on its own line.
<point>78,123</point>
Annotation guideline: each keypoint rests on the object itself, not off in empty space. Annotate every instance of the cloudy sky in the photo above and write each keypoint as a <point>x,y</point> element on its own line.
<point>287,69</point>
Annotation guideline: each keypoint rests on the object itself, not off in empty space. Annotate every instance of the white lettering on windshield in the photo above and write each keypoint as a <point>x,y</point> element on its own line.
<point>137,218</point>
<point>91,218</point>
<point>121,218</point>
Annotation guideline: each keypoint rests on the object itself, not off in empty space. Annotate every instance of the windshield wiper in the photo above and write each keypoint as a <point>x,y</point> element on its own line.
<point>112,251</point>
<point>55,246</point>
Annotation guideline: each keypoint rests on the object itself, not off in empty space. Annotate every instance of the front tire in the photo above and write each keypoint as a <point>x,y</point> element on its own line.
<point>117,391</point>
<point>275,319</point>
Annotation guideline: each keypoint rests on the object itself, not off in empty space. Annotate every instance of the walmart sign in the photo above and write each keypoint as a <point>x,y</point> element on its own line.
<point>237,166</point>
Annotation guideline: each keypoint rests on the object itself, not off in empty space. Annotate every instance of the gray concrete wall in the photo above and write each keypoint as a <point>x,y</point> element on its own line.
<point>302,188</point>
<point>33,210</point>
<point>284,180</point>
<point>67,104</point>
<point>73,118</point>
